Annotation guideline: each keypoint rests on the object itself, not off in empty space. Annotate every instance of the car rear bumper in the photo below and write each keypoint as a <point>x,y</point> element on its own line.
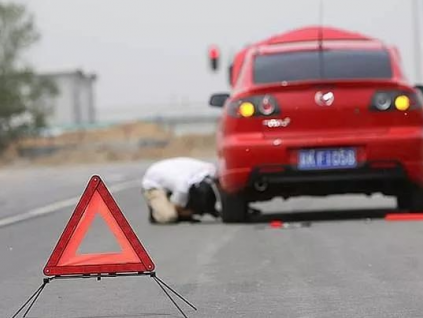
<point>387,178</point>
<point>396,155</point>
<point>288,175</point>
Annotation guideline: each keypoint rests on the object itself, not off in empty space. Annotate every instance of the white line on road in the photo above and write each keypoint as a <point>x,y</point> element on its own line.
<point>57,206</point>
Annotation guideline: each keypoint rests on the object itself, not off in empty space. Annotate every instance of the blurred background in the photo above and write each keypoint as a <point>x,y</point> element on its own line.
<point>130,79</point>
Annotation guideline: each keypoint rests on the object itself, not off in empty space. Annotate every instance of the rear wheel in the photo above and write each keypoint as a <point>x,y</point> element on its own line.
<point>234,208</point>
<point>411,199</point>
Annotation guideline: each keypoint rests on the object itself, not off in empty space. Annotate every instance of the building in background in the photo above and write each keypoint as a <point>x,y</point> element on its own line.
<point>74,105</point>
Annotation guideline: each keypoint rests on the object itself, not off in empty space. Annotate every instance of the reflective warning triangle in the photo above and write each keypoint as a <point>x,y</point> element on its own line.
<point>97,201</point>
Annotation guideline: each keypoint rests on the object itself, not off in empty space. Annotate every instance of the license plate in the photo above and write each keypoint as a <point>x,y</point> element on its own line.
<point>320,159</point>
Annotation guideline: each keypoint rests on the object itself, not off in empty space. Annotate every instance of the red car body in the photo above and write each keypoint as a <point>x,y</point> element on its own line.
<point>319,111</point>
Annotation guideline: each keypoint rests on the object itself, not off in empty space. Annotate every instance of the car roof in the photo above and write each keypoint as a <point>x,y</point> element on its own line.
<point>315,45</point>
<point>314,33</point>
<point>313,37</point>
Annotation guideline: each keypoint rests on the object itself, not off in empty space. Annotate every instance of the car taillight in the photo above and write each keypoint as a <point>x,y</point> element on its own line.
<point>254,106</point>
<point>402,103</point>
<point>382,101</point>
<point>394,100</point>
<point>246,109</point>
<point>267,106</point>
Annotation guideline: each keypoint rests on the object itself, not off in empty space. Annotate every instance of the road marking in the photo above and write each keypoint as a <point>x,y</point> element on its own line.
<point>57,206</point>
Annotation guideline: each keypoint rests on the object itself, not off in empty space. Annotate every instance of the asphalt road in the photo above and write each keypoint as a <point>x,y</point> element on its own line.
<point>337,267</point>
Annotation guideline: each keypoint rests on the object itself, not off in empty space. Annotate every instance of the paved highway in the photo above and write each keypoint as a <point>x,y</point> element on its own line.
<point>337,267</point>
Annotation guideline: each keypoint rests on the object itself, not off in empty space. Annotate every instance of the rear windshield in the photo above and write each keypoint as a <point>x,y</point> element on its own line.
<point>330,64</point>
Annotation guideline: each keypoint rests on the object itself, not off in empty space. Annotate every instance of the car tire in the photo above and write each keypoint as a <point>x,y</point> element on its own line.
<point>234,208</point>
<point>411,200</point>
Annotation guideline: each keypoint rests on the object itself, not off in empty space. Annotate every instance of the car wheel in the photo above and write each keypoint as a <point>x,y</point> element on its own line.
<point>411,200</point>
<point>234,208</point>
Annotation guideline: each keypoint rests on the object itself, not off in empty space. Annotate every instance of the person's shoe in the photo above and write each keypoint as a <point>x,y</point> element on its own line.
<point>189,219</point>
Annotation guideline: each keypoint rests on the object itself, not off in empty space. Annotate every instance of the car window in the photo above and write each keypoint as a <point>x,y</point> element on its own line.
<point>313,65</point>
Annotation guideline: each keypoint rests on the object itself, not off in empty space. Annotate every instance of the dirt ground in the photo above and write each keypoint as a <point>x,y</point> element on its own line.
<point>129,142</point>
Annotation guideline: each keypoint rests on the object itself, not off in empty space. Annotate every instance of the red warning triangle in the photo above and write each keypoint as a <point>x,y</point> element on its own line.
<point>97,201</point>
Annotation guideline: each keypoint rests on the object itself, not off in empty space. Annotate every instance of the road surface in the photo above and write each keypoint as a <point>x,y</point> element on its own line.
<point>337,267</point>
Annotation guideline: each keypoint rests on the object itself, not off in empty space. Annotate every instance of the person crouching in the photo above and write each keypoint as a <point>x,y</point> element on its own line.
<point>176,189</point>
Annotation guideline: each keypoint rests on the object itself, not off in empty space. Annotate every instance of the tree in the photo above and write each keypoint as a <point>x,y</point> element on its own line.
<point>22,93</point>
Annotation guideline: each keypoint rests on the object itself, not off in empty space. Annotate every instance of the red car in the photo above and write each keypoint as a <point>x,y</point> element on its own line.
<point>319,111</point>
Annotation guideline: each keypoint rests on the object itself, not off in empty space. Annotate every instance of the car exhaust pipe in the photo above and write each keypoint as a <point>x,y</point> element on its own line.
<point>261,186</point>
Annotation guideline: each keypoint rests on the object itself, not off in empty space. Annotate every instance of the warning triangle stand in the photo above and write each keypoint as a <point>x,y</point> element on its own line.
<point>67,263</point>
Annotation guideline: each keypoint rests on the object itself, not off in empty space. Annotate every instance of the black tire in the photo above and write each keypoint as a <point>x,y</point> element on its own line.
<point>411,199</point>
<point>234,208</point>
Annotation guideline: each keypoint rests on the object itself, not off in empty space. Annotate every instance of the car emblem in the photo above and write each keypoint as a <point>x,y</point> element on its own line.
<point>324,99</point>
<point>276,123</point>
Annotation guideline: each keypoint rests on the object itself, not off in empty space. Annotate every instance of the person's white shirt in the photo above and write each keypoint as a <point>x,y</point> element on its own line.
<point>177,175</point>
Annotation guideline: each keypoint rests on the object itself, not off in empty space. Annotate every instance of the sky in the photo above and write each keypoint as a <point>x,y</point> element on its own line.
<point>156,51</point>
